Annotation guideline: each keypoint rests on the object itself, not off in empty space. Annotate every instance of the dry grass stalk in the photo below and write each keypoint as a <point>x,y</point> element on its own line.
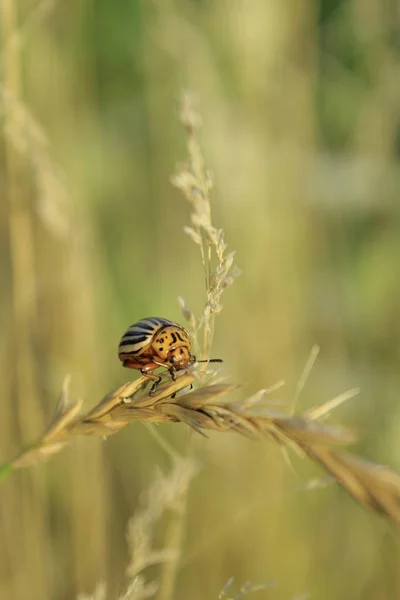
<point>166,493</point>
<point>195,182</point>
<point>24,136</point>
<point>29,141</point>
<point>204,410</point>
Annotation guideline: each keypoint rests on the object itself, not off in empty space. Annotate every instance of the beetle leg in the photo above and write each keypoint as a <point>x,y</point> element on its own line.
<point>154,386</point>
<point>157,379</point>
<point>171,369</point>
<point>172,372</point>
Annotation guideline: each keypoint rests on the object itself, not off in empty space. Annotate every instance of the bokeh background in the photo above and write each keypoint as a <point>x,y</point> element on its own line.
<point>301,109</point>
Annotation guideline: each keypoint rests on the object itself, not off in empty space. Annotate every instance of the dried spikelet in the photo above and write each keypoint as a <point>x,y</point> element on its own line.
<point>29,140</point>
<point>195,182</point>
<point>204,410</point>
<point>56,436</point>
<point>373,485</point>
<point>165,493</point>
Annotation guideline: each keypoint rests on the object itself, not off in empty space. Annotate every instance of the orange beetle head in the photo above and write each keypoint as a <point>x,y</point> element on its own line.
<point>180,357</point>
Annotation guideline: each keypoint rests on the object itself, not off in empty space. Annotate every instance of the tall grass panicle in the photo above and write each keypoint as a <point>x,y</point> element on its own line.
<point>195,182</point>
<point>166,493</point>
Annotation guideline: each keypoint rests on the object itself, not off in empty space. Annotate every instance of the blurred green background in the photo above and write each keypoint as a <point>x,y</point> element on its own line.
<point>301,109</point>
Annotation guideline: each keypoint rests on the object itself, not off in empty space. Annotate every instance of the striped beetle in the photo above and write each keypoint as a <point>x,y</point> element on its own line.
<point>156,342</point>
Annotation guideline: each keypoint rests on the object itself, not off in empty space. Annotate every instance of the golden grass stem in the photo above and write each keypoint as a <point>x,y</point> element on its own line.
<point>173,543</point>
<point>22,255</point>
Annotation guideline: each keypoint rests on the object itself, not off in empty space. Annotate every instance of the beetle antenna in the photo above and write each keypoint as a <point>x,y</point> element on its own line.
<point>211,360</point>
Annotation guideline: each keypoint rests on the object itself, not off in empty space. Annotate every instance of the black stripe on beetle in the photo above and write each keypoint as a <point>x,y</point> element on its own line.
<point>134,340</point>
<point>143,327</point>
<point>156,321</point>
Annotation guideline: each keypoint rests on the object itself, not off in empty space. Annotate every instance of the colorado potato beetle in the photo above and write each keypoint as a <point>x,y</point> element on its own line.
<point>156,342</point>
